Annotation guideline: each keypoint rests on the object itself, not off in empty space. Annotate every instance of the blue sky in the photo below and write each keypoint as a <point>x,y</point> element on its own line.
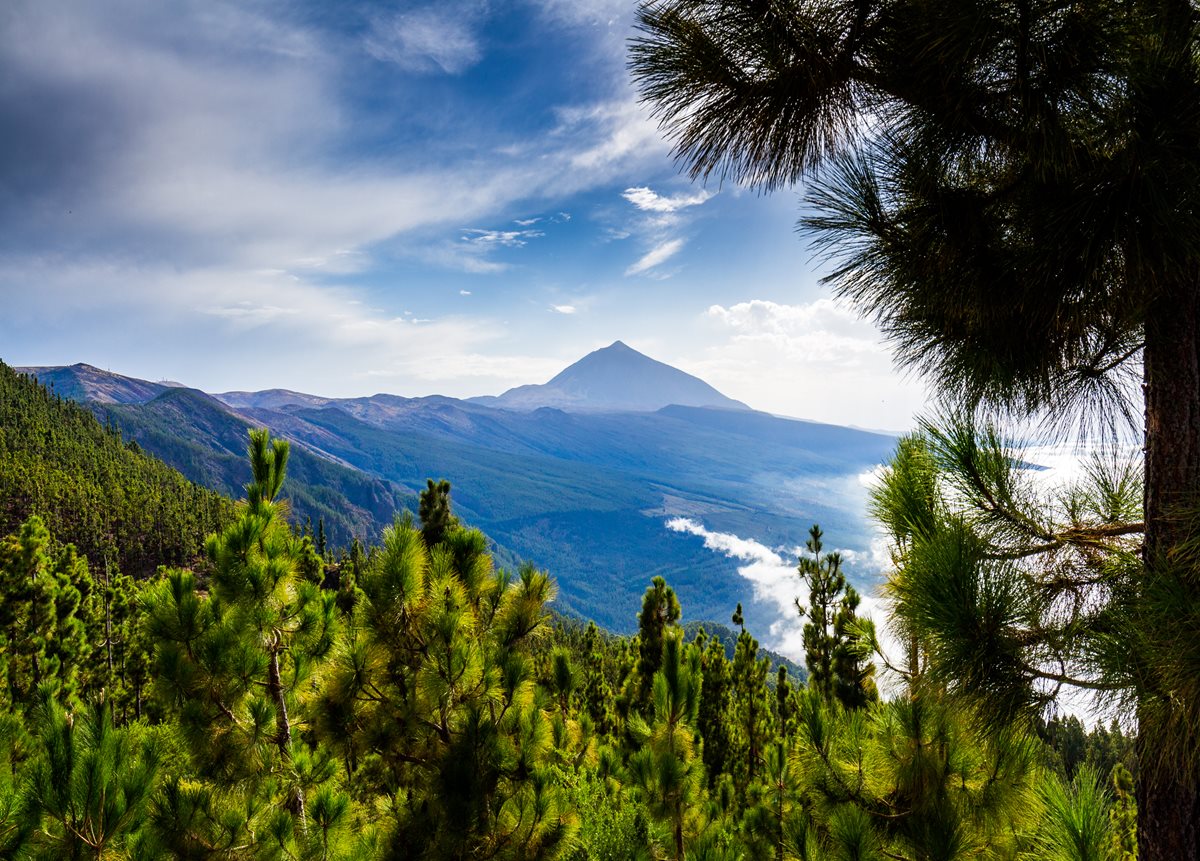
<point>449,197</point>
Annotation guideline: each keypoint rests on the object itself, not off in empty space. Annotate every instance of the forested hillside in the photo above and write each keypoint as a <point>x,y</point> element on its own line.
<point>414,702</point>
<point>94,490</point>
<point>206,441</point>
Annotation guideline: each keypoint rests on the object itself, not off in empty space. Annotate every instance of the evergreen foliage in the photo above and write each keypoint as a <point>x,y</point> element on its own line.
<point>1009,189</point>
<point>410,701</point>
<point>434,512</point>
<point>656,622</point>
<point>116,505</point>
<point>89,785</point>
<point>834,649</point>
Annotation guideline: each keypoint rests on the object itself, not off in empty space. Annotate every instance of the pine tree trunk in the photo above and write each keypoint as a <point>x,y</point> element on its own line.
<point>283,726</point>
<point>108,622</point>
<point>1167,798</point>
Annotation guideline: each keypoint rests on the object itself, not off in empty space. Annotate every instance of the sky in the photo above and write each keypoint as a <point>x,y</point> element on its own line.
<point>347,198</point>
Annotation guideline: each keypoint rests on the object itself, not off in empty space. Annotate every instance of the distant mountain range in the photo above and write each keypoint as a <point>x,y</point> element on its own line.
<point>578,475</point>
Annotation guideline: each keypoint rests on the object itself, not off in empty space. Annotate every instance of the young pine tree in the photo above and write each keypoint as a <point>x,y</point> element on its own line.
<point>433,706</point>
<point>826,583</point>
<point>656,622</point>
<point>751,718</point>
<point>834,650</point>
<point>46,599</point>
<point>665,769</point>
<point>89,787</point>
<point>434,511</point>
<point>713,718</point>
<point>232,663</point>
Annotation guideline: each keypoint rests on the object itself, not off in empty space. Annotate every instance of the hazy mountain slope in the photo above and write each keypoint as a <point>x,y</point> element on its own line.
<point>207,442</point>
<point>615,378</point>
<point>583,493</point>
<point>586,495</point>
<point>82,382</point>
<point>269,399</point>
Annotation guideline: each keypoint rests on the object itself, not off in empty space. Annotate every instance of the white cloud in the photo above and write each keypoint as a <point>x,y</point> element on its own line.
<point>500,238</point>
<point>821,331</point>
<point>775,581</point>
<point>658,224</point>
<point>648,200</point>
<point>250,314</point>
<point>464,292</point>
<point>482,372</point>
<point>305,323</point>
<point>656,256</point>
<point>606,13</point>
<point>816,360</point>
<point>224,153</point>
<point>621,133</point>
<point>564,309</point>
<point>426,40</point>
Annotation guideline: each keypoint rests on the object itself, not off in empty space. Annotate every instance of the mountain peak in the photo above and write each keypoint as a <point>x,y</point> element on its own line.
<point>84,382</point>
<point>616,378</point>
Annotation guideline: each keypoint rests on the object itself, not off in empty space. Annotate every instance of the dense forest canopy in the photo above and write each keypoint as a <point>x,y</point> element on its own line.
<point>409,700</point>
<point>114,503</point>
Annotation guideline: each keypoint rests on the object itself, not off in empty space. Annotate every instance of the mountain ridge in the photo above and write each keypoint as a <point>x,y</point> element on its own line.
<point>585,494</point>
<point>616,378</point>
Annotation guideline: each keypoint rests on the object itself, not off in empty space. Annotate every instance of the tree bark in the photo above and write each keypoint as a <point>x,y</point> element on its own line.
<point>283,727</point>
<point>1167,799</point>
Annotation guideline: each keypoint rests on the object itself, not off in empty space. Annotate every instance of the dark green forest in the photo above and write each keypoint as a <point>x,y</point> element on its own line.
<point>411,700</point>
<point>93,490</point>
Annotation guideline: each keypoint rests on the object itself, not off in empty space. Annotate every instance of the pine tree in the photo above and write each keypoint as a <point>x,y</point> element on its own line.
<point>233,664</point>
<point>853,672</point>
<point>751,718</point>
<point>665,768</point>
<point>785,706</point>
<point>657,620</point>
<point>1009,190</point>
<point>46,596</point>
<point>713,716</point>
<point>89,787</point>
<point>434,512</point>
<point>433,700</point>
<point>775,820</point>
<point>597,687</point>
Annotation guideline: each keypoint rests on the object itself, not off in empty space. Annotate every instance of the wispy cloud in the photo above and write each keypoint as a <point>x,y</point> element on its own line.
<point>774,580</point>
<point>648,200</point>
<point>432,39</point>
<point>250,314</point>
<point>656,256</point>
<point>820,355</point>
<point>659,223</point>
<point>618,131</point>
<point>818,331</point>
<point>500,238</point>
